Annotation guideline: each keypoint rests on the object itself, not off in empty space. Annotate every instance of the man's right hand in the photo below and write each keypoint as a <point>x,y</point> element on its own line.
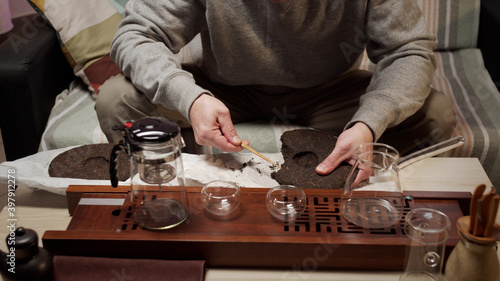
<point>212,124</point>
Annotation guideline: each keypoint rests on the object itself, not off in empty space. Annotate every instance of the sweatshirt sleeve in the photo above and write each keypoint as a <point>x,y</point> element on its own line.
<point>400,45</point>
<point>146,42</point>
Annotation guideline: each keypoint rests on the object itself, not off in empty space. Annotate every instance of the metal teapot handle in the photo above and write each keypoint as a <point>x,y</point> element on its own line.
<point>113,164</point>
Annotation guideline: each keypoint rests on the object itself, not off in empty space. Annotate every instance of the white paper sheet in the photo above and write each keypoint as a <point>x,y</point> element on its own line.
<point>245,169</point>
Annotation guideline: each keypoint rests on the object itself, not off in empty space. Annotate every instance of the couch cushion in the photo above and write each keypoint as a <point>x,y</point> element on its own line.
<point>73,120</point>
<point>119,5</point>
<point>455,25</point>
<point>85,30</point>
<point>461,75</point>
<point>463,78</point>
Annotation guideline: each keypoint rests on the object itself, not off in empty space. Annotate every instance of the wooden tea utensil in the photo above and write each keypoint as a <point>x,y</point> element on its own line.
<point>483,212</point>
<point>260,155</point>
<point>493,209</point>
<point>474,208</point>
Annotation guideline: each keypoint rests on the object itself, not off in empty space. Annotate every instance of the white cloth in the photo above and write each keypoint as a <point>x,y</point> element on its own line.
<point>245,169</point>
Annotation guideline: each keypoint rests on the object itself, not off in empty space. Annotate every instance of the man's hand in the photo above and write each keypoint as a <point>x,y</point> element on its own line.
<point>212,124</point>
<point>344,149</point>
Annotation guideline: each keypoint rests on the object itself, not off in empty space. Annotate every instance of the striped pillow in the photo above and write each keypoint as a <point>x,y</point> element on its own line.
<point>454,22</point>
<point>85,30</point>
<point>119,5</point>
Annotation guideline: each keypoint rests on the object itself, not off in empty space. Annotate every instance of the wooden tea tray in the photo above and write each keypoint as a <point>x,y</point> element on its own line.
<point>103,225</point>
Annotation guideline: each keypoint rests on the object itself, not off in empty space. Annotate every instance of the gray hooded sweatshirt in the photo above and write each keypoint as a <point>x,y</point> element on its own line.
<point>298,43</point>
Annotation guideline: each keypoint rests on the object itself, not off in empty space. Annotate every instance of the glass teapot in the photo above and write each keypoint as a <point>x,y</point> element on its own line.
<point>158,192</point>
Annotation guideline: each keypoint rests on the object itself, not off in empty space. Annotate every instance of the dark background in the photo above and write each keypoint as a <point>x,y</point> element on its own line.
<point>489,37</point>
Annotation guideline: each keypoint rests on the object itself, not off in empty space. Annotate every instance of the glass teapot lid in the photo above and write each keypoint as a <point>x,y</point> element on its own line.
<point>153,130</point>
<point>150,131</point>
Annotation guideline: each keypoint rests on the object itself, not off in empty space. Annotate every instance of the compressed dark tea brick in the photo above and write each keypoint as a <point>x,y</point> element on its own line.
<point>89,162</point>
<point>303,150</point>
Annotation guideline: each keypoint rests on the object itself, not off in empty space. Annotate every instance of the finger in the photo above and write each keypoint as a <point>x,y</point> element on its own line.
<point>223,144</point>
<point>341,152</point>
<point>330,163</point>
<point>220,141</point>
<point>362,175</point>
<point>228,130</point>
<point>215,138</point>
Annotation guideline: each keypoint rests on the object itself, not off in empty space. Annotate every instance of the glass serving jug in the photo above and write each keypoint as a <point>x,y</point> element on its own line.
<point>372,195</point>
<point>158,192</point>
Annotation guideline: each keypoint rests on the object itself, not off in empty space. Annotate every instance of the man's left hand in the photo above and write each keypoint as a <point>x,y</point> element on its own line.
<point>347,142</point>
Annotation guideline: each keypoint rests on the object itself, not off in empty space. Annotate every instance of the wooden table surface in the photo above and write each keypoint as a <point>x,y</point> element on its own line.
<point>41,211</point>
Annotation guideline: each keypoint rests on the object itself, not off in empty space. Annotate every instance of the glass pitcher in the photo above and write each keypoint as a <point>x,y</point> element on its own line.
<point>158,192</point>
<point>372,195</point>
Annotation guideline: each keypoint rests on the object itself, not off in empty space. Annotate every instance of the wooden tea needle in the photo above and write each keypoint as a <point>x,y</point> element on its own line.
<point>493,209</point>
<point>260,155</point>
<point>474,202</point>
<point>484,212</point>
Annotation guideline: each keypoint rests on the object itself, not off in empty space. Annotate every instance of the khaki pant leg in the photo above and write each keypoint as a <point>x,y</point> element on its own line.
<point>330,107</point>
<point>327,107</point>
<point>118,102</point>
